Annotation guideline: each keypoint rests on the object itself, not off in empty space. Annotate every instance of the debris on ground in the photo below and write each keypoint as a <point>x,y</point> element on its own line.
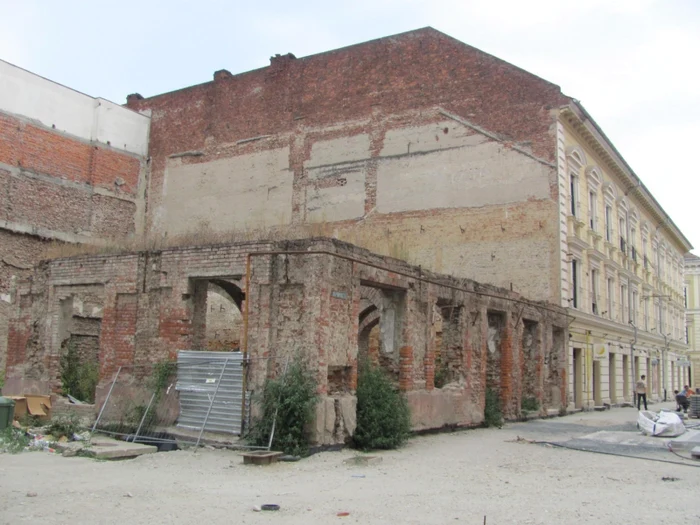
<point>669,478</point>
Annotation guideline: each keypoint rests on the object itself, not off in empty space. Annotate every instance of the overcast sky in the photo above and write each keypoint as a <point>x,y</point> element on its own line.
<point>634,64</point>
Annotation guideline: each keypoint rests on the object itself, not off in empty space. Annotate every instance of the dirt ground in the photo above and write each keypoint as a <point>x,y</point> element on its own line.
<point>457,477</point>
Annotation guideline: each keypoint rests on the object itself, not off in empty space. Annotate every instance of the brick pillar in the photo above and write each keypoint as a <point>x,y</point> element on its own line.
<point>405,368</point>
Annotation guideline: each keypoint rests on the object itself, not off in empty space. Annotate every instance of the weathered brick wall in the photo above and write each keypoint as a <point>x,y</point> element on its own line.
<point>303,301</point>
<point>416,145</point>
<point>60,188</point>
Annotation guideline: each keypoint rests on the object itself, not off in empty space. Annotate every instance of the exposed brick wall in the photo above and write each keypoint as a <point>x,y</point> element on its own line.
<point>306,304</point>
<point>51,153</point>
<point>370,91</point>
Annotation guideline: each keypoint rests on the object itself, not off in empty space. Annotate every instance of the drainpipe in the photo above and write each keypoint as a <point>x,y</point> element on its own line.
<point>634,371</point>
<point>665,353</point>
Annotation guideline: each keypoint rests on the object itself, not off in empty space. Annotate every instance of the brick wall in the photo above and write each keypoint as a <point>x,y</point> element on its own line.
<point>322,139</point>
<point>303,301</point>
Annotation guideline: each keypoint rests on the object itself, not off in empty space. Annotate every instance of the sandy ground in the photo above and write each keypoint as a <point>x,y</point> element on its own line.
<point>456,477</point>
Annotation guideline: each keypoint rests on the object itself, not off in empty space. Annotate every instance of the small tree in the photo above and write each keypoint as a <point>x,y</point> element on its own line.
<point>383,415</point>
<point>289,401</point>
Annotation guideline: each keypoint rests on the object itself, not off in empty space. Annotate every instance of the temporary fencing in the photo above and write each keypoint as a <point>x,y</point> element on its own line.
<point>198,399</point>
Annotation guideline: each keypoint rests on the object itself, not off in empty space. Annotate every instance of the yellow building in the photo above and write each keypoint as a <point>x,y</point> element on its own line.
<point>692,318</point>
<point>622,273</point>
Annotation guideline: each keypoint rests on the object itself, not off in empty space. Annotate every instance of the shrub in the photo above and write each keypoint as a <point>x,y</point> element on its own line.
<point>493,417</point>
<point>529,404</point>
<point>64,426</point>
<point>442,373</point>
<point>289,401</point>
<point>78,378</point>
<point>383,415</point>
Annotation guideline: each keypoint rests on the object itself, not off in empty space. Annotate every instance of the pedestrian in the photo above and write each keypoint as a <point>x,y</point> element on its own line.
<point>641,391</point>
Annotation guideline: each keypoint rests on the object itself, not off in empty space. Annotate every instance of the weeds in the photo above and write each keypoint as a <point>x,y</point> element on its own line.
<point>493,416</point>
<point>529,404</point>
<point>13,440</point>
<point>289,401</point>
<point>64,426</point>
<point>383,415</point>
<point>78,378</point>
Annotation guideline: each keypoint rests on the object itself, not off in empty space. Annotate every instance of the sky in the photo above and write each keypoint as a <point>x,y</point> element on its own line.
<point>634,64</point>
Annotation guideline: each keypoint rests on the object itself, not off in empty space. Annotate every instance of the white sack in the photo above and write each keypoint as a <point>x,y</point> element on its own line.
<point>665,424</point>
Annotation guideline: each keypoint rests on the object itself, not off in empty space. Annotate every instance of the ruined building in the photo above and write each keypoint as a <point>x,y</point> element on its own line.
<point>421,148</point>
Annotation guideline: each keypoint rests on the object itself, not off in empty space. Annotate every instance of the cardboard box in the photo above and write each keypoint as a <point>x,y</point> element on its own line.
<point>35,405</point>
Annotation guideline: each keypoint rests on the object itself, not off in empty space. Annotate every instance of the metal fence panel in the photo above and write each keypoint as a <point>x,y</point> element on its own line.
<point>198,376</point>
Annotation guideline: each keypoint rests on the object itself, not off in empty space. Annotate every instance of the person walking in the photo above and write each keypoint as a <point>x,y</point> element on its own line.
<point>641,391</point>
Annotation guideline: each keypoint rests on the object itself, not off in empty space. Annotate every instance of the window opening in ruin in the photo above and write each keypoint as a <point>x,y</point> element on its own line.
<point>552,359</point>
<point>448,342</point>
<point>531,360</point>
<point>379,329</point>
<point>496,332</point>
<point>217,318</point>
<point>80,328</point>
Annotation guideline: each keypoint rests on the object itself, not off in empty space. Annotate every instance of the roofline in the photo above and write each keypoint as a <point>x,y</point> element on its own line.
<point>576,108</point>
<point>425,29</point>
<point>70,88</point>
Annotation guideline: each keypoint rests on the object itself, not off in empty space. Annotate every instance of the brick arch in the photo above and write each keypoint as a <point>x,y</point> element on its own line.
<point>373,295</point>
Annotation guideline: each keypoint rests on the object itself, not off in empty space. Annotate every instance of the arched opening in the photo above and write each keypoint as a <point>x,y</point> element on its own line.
<point>217,319</point>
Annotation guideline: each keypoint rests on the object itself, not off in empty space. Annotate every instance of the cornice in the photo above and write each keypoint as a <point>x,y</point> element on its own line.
<point>580,121</point>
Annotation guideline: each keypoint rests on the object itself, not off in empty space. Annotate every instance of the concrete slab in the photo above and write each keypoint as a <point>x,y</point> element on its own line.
<point>695,453</point>
<point>687,441</point>
<point>108,448</point>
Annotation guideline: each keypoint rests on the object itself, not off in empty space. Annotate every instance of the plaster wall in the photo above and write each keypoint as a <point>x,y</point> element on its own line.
<point>64,109</point>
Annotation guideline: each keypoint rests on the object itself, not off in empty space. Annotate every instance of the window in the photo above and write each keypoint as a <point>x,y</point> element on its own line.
<point>594,291</point>
<point>574,193</point>
<point>685,296</point>
<point>623,233</point>
<point>592,221</point>
<point>610,298</point>
<point>623,303</point>
<point>574,283</point>
<point>644,252</point>
<point>633,250</point>
<point>633,308</point>
<point>608,223</point>
<point>658,318</point>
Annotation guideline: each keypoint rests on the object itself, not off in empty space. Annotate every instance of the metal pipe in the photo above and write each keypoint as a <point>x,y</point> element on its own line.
<point>274,419</point>
<point>634,369</point>
<point>244,340</point>
<point>211,403</point>
<point>664,354</point>
<point>109,394</point>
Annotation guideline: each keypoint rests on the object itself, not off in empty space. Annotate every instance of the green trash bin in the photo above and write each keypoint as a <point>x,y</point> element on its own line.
<point>7,412</point>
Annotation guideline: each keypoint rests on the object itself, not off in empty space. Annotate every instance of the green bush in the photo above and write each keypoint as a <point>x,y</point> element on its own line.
<point>493,417</point>
<point>383,415</point>
<point>529,404</point>
<point>64,426</point>
<point>78,378</point>
<point>289,401</point>
<point>442,373</point>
